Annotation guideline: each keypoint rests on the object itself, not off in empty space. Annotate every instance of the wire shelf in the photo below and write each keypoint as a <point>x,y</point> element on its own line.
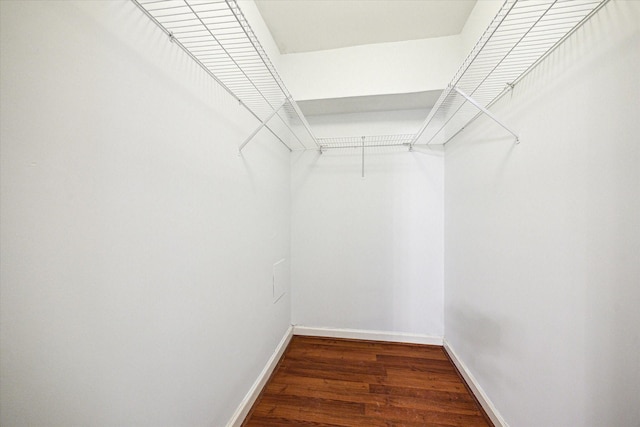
<point>218,37</point>
<point>398,140</point>
<point>521,35</point>
<point>366,143</point>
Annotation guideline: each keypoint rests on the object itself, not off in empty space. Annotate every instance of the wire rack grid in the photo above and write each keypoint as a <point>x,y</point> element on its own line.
<point>218,37</point>
<point>216,34</point>
<point>397,140</point>
<point>521,35</point>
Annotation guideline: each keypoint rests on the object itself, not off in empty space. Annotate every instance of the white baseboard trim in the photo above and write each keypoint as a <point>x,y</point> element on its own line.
<point>245,406</point>
<point>360,334</point>
<point>482,397</point>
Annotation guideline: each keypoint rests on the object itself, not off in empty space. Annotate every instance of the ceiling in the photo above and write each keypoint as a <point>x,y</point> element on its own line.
<point>311,25</point>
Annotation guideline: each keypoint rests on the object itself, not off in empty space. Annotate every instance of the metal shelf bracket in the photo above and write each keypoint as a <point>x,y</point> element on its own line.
<point>263,124</point>
<point>485,111</point>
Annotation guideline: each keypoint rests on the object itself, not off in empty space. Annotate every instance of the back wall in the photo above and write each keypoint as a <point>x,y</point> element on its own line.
<point>367,252</point>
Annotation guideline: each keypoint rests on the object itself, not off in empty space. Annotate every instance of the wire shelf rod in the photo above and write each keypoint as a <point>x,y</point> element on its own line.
<point>521,34</point>
<point>265,60</point>
<point>511,50</point>
<point>341,147</point>
<point>197,61</point>
<point>223,48</point>
<point>219,36</point>
<point>493,27</point>
<point>269,65</point>
<point>597,6</point>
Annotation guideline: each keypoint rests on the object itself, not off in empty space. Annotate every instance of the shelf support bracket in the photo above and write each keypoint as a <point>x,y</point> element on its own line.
<point>263,124</point>
<point>485,111</point>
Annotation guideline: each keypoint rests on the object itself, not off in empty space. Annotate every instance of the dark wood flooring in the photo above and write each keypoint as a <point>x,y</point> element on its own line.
<point>336,382</point>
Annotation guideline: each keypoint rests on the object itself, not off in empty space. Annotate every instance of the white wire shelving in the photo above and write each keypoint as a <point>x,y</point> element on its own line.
<point>397,140</point>
<point>216,35</point>
<point>361,143</point>
<point>520,36</point>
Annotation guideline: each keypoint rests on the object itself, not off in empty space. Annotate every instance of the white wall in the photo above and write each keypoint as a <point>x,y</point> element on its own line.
<point>375,69</point>
<point>367,252</point>
<point>384,68</point>
<point>137,246</point>
<point>542,240</point>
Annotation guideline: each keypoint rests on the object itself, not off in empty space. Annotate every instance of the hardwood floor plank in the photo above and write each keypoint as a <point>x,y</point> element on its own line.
<point>321,383</point>
<point>455,406</point>
<point>416,364</point>
<point>257,421</point>
<point>427,381</point>
<point>327,382</point>
<point>376,347</point>
<point>336,365</point>
<point>327,351</point>
<point>422,393</point>
<point>416,416</point>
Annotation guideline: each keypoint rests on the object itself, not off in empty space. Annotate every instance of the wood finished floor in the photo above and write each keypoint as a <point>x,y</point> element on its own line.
<point>324,382</point>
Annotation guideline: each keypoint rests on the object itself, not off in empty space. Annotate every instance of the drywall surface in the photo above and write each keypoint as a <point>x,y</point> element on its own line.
<point>542,240</point>
<point>375,69</point>
<point>367,252</point>
<point>137,247</point>
<point>384,68</point>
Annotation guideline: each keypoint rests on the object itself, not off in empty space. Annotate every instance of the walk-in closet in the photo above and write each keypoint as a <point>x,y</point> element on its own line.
<point>232,213</point>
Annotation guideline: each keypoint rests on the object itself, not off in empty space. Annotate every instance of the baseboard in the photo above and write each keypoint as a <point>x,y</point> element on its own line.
<point>359,334</point>
<point>245,406</point>
<point>482,397</point>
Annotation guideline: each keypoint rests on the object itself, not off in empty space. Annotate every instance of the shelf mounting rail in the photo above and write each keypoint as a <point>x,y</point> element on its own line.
<point>217,36</point>
<point>520,36</point>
